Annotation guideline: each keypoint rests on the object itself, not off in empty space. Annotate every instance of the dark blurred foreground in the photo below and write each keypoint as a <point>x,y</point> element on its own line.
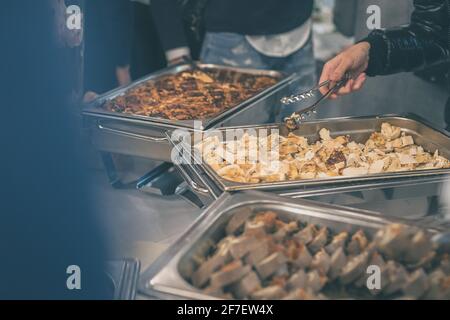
<point>47,221</point>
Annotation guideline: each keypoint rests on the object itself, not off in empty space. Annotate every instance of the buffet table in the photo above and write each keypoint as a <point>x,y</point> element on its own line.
<point>178,201</point>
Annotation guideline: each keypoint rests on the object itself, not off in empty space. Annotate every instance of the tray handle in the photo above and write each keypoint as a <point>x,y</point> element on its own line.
<point>130,134</point>
<point>193,184</point>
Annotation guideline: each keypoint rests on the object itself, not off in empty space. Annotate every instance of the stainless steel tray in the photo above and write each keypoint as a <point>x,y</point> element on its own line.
<point>145,136</point>
<point>359,129</point>
<point>166,278</point>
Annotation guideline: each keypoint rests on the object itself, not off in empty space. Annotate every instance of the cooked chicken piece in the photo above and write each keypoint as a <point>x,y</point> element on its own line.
<point>301,294</point>
<point>357,243</point>
<point>239,247</point>
<point>298,280</point>
<point>302,258</point>
<point>228,274</point>
<point>354,268</point>
<point>306,235</point>
<point>324,134</point>
<point>218,260</point>
<point>337,262</point>
<point>394,239</point>
<point>416,284</point>
<point>376,167</point>
<point>407,141</point>
<point>396,278</point>
<point>258,253</point>
<point>271,264</point>
<point>419,248</point>
<point>439,286</point>
<point>248,284</point>
<point>268,218</point>
<point>406,159</point>
<point>348,172</point>
<point>337,242</point>
<point>319,241</point>
<point>255,229</point>
<point>315,281</point>
<point>237,221</point>
<point>269,293</point>
<point>390,132</point>
<point>321,262</point>
<point>213,291</point>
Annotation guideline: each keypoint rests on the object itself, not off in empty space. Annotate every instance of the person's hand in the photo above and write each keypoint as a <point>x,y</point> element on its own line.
<point>354,61</point>
<point>90,96</point>
<point>123,75</point>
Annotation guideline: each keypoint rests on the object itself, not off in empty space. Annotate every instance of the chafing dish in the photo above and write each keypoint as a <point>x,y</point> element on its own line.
<point>167,277</point>
<point>145,137</point>
<point>358,128</point>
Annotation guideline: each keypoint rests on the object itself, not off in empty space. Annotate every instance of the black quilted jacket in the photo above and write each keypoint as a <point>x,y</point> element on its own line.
<point>423,43</point>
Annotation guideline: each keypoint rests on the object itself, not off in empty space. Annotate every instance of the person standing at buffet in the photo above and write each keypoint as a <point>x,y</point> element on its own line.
<point>424,43</point>
<point>48,221</point>
<point>258,34</point>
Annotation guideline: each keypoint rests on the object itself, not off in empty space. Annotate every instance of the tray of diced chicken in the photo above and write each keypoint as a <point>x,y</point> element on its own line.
<point>258,246</point>
<point>322,152</point>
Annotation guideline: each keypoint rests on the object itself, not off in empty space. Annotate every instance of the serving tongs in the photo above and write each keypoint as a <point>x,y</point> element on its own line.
<point>293,122</point>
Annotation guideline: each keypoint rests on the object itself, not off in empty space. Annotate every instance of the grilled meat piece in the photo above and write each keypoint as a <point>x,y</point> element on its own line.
<point>321,262</point>
<point>269,293</point>
<point>237,221</point>
<point>337,242</point>
<point>306,235</point>
<point>228,274</point>
<point>271,264</point>
<point>337,262</point>
<point>354,268</point>
<point>319,241</point>
<point>417,284</point>
<point>201,94</point>
<point>248,284</point>
<point>357,243</point>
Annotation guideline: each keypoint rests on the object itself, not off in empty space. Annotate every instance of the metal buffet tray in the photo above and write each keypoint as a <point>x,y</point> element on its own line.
<point>358,128</point>
<point>166,278</point>
<point>145,136</point>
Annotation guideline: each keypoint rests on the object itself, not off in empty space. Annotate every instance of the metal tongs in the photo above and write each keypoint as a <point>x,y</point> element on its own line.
<point>293,122</point>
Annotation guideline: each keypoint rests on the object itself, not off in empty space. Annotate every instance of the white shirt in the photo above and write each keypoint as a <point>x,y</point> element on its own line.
<point>284,44</point>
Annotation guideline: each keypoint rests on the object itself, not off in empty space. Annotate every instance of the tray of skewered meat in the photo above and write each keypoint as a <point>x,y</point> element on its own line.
<point>253,245</point>
<point>180,97</point>
<point>327,152</point>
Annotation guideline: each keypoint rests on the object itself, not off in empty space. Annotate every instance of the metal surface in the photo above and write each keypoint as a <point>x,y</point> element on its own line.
<point>359,129</point>
<point>145,136</point>
<point>166,278</point>
<point>426,202</point>
<point>123,275</point>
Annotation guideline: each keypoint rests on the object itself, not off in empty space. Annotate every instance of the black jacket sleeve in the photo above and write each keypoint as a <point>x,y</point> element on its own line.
<point>168,19</point>
<point>422,43</point>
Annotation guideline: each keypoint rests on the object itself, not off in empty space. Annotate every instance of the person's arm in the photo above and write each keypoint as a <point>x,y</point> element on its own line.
<point>168,21</point>
<point>422,43</point>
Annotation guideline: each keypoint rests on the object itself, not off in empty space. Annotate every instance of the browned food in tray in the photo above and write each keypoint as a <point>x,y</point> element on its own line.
<point>292,259</point>
<point>190,95</point>
<point>293,157</point>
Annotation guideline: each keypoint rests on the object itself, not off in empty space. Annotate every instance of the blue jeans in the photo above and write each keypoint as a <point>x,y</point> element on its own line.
<point>234,50</point>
